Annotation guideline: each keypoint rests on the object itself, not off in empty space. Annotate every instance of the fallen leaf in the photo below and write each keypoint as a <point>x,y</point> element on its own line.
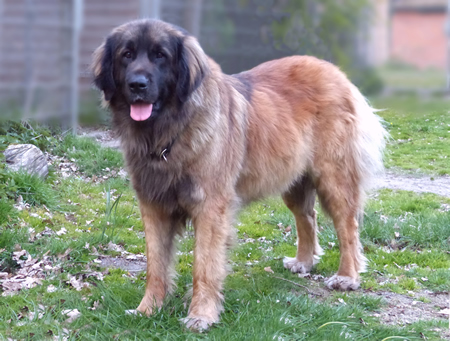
<point>95,305</point>
<point>445,311</point>
<point>268,269</point>
<point>73,314</point>
<point>51,288</point>
<point>115,247</point>
<point>65,255</point>
<point>305,275</point>
<point>48,221</point>
<point>70,217</point>
<point>341,301</point>
<point>78,284</point>
<point>62,231</point>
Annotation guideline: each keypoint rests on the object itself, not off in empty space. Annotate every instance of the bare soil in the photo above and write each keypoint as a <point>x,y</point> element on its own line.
<point>417,183</point>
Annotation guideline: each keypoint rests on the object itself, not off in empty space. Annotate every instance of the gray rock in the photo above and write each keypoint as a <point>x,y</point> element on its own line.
<point>26,157</point>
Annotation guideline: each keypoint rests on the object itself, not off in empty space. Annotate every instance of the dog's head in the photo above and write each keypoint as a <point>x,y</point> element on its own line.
<point>149,64</point>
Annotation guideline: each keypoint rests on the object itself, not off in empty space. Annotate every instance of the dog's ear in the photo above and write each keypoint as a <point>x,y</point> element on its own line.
<point>192,67</point>
<point>103,68</point>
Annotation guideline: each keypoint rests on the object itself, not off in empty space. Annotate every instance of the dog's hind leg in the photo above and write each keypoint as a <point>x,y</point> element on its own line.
<point>300,200</point>
<point>160,229</point>
<point>340,196</point>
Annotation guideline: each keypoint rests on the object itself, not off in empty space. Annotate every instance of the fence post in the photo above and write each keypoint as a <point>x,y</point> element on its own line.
<point>192,16</point>
<point>1,39</point>
<point>447,31</point>
<point>77,24</point>
<point>150,8</point>
<point>29,79</point>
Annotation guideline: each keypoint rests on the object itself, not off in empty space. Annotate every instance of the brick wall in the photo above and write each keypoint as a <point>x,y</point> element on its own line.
<point>418,38</point>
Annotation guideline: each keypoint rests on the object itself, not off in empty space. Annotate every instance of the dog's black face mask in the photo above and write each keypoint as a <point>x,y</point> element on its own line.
<point>148,68</point>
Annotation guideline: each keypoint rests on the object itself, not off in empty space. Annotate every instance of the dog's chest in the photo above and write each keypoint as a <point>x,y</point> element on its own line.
<point>166,184</point>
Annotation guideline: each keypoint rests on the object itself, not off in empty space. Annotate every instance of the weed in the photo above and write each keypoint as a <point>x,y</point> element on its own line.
<point>26,133</point>
<point>33,190</point>
<point>7,211</point>
<point>111,211</point>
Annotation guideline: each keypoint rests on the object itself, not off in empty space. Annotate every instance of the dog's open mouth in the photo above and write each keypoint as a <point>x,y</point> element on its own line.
<point>141,111</point>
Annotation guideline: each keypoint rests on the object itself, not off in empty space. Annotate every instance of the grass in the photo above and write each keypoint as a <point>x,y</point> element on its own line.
<point>403,76</point>
<point>34,190</point>
<point>7,212</point>
<point>420,132</point>
<point>258,305</point>
<point>90,158</point>
<point>406,238</point>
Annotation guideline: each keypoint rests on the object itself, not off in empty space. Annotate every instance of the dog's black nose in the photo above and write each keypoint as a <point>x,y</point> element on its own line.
<point>138,83</point>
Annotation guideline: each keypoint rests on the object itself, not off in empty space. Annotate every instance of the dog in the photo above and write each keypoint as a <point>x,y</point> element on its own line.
<point>200,144</point>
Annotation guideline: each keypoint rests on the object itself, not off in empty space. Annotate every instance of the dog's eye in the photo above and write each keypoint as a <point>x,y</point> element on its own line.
<point>128,55</point>
<point>159,55</point>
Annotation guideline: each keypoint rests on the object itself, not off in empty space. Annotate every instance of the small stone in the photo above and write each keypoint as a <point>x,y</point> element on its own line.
<point>28,158</point>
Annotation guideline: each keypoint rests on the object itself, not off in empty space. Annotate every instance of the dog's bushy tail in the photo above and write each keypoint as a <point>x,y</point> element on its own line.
<point>369,147</point>
<point>370,143</point>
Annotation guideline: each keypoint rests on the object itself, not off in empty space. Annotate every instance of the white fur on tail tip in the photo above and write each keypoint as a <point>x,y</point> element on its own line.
<point>369,147</point>
<point>371,140</point>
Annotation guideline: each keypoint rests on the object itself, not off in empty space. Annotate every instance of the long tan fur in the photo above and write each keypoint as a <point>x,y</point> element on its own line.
<point>295,127</point>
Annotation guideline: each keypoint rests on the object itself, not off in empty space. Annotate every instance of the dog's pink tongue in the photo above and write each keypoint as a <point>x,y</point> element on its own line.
<point>141,112</point>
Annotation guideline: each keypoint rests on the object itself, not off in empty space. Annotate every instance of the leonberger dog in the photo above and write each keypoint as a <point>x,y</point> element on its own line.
<point>200,144</point>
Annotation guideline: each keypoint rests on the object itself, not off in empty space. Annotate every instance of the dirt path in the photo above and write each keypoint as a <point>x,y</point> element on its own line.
<point>418,184</point>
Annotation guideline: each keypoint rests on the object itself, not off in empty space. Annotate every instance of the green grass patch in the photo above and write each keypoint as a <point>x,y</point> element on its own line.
<point>34,190</point>
<point>408,77</point>
<point>26,133</point>
<point>7,212</point>
<point>419,131</point>
<point>404,218</point>
<point>89,156</point>
<point>249,314</point>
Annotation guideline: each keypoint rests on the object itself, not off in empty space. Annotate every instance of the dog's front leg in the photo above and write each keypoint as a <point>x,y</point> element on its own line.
<point>212,232</point>
<point>160,229</point>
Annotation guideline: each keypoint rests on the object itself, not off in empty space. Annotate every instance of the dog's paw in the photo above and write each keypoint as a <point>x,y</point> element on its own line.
<point>296,266</point>
<point>342,283</point>
<point>146,308</point>
<point>198,323</point>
